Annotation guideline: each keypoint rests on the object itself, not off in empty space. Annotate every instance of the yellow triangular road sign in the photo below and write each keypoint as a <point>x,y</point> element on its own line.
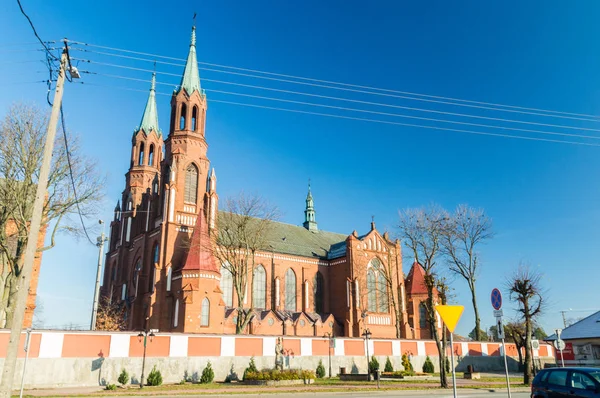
<point>450,314</point>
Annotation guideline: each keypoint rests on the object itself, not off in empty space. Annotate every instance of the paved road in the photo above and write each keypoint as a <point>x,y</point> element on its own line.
<point>362,394</point>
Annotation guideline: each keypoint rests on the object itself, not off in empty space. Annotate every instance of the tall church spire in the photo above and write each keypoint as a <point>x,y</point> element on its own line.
<point>310,222</point>
<point>191,77</point>
<point>150,118</point>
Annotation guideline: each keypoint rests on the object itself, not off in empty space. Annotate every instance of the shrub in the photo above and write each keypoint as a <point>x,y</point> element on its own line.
<point>320,370</point>
<point>208,375</point>
<point>373,365</point>
<point>277,375</point>
<point>111,387</point>
<point>406,364</point>
<point>428,366</point>
<point>388,365</point>
<point>250,369</point>
<point>123,377</point>
<point>154,378</point>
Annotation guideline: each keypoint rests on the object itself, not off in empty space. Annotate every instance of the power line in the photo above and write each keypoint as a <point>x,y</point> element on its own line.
<point>489,104</point>
<point>34,30</point>
<point>365,119</point>
<point>360,110</point>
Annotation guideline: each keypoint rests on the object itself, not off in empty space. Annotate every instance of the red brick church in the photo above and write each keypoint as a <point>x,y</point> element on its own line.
<point>310,282</point>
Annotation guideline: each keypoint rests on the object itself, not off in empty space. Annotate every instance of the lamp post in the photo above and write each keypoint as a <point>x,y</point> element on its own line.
<point>366,334</point>
<point>331,338</point>
<point>144,334</point>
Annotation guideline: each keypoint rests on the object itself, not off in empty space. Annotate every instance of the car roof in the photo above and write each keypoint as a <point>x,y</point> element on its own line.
<point>572,368</point>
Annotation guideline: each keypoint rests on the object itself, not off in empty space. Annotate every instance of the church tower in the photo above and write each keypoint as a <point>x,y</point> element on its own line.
<point>310,221</point>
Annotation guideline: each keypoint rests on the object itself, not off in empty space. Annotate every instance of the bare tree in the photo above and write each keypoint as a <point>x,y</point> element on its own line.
<point>423,231</point>
<point>38,314</point>
<point>22,133</point>
<point>468,228</point>
<point>111,315</point>
<point>525,288</point>
<point>242,230</point>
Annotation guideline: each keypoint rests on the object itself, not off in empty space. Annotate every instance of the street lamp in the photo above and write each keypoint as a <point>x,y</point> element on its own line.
<point>366,334</point>
<point>331,338</point>
<point>144,334</point>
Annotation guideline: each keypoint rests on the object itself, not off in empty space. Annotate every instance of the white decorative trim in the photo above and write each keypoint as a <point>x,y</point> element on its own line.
<point>338,262</point>
<point>421,348</point>
<point>269,344</point>
<point>119,346</point>
<point>114,254</point>
<point>338,350</point>
<point>306,347</point>
<point>51,345</point>
<point>176,277</point>
<point>295,259</point>
<point>396,349</point>
<point>379,320</point>
<point>465,349</point>
<point>178,346</point>
<point>228,346</point>
<point>154,233</point>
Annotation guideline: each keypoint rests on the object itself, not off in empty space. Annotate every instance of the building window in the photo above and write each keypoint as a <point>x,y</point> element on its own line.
<point>194,117</point>
<point>183,116</point>
<point>319,291</point>
<point>151,156</point>
<point>176,314</point>
<point>123,292</point>
<point>371,291</point>
<point>205,314</point>
<point>290,290</point>
<point>136,276</point>
<point>382,304</point>
<point>191,184</point>
<point>155,254</point>
<point>169,278</point>
<point>141,155</point>
<point>259,288</point>
<point>114,271</point>
<point>227,286</point>
<point>422,316</point>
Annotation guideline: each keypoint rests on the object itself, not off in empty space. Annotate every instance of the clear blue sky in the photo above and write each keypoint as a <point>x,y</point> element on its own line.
<point>544,197</point>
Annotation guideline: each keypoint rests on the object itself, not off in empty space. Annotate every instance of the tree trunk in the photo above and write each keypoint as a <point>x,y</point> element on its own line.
<point>434,333</point>
<point>528,372</point>
<point>478,336</point>
<point>12,290</point>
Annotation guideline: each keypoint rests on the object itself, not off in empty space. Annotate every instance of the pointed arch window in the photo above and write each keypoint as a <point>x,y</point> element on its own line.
<point>371,291</point>
<point>422,316</point>
<point>141,155</point>
<point>153,267</point>
<point>319,290</point>
<point>227,286</point>
<point>137,271</point>
<point>176,314</point>
<point>169,278</point>
<point>259,288</point>
<point>194,118</point>
<point>151,155</point>
<point>382,296</point>
<point>182,117</point>
<point>205,314</point>
<point>290,290</point>
<point>191,184</point>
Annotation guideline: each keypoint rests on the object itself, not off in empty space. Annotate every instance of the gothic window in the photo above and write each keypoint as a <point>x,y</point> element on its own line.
<point>183,116</point>
<point>114,271</point>
<point>153,267</point>
<point>169,278</point>
<point>151,156</point>
<point>205,314</point>
<point>123,292</point>
<point>141,155</point>
<point>371,291</point>
<point>290,290</point>
<point>194,118</point>
<point>176,314</point>
<point>422,316</point>
<point>382,304</point>
<point>227,286</point>
<point>191,184</point>
<point>319,289</point>
<point>137,271</point>
<point>259,288</point>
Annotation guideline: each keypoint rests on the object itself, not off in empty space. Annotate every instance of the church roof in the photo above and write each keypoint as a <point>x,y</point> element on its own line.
<point>415,281</point>
<point>150,118</point>
<point>191,77</point>
<point>200,256</point>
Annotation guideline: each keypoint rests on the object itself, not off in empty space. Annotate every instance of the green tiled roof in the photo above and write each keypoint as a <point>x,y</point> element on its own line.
<point>191,77</point>
<point>150,118</point>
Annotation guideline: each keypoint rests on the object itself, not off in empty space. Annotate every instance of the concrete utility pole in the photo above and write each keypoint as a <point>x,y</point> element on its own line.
<point>10,362</point>
<point>100,244</point>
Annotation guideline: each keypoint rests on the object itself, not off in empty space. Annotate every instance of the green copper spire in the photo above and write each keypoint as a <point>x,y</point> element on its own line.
<point>310,221</point>
<point>191,78</point>
<point>150,118</point>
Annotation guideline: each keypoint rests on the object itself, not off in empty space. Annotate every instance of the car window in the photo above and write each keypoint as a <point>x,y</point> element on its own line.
<point>544,377</point>
<point>558,378</point>
<point>595,374</point>
<point>581,381</point>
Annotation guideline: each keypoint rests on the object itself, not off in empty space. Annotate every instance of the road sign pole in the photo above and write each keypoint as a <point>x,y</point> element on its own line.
<point>506,368</point>
<point>452,360</point>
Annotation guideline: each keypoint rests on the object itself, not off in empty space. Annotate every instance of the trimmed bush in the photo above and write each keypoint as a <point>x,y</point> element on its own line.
<point>208,375</point>
<point>320,370</point>
<point>388,365</point>
<point>250,369</point>
<point>154,378</point>
<point>111,387</point>
<point>428,366</point>
<point>278,375</point>
<point>373,365</point>
<point>406,364</point>
<point>123,377</point>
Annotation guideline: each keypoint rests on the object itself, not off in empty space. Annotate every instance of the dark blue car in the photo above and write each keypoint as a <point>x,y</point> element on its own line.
<point>566,382</point>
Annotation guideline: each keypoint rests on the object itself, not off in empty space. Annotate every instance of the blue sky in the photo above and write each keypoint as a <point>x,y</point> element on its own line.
<point>544,197</point>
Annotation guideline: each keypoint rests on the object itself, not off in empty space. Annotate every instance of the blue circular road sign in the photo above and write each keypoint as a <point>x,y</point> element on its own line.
<point>496,299</point>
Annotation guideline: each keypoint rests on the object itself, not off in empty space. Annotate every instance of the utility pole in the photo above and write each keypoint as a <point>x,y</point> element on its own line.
<point>100,244</point>
<point>10,362</point>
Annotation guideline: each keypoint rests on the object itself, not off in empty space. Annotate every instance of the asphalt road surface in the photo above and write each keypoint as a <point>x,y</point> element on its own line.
<point>362,394</point>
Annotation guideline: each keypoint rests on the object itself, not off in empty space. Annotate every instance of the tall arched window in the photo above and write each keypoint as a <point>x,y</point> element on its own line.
<point>194,118</point>
<point>382,302</point>
<point>191,184</point>
<point>422,316</point>
<point>151,156</point>
<point>176,314</point>
<point>319,290</point>
<point>136,277</point>
<point>290,290</point>
<point>259,288</point>
<point>141,155</point>
<point>371,291</point>
<point>114,271</point>
<point>227,286</point>
<point>152,277</point>
<point>205,314</point>
<point>183,116</point>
